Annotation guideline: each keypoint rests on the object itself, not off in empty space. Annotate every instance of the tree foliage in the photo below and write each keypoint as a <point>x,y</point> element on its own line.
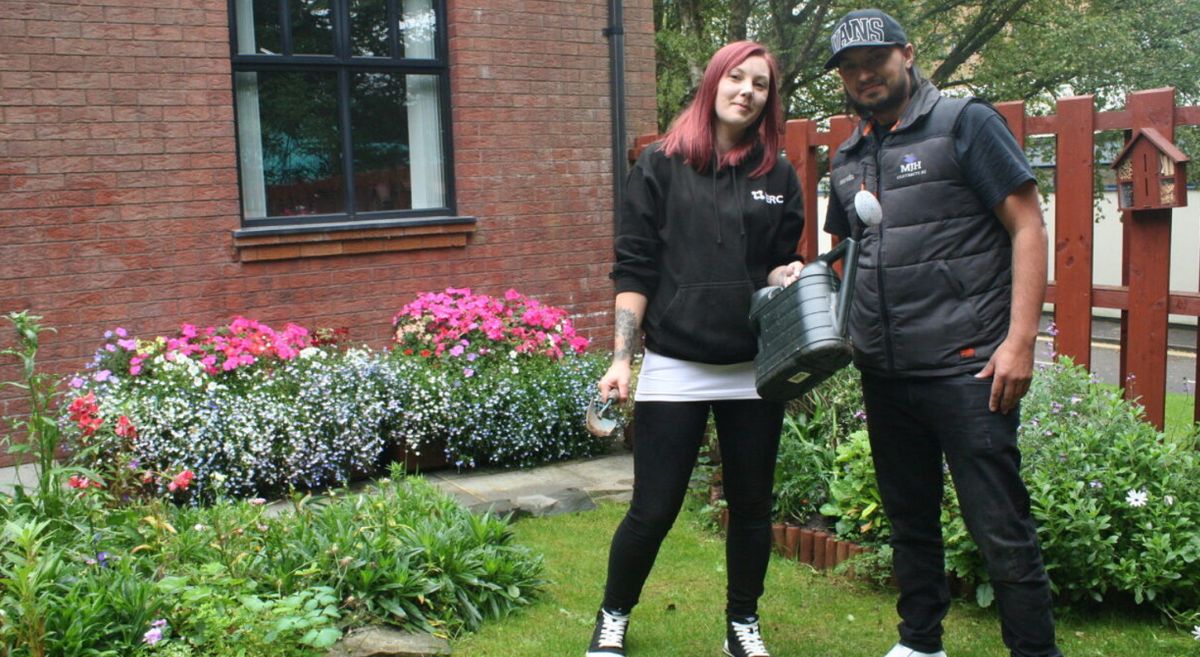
<point>1036,50</point>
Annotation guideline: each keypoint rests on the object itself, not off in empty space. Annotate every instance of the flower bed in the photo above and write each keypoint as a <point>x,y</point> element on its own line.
<point>255,411</point>
<point>87,570</point>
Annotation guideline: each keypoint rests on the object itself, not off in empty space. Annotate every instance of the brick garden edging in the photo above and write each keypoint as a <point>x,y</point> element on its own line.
<point>817,548</point>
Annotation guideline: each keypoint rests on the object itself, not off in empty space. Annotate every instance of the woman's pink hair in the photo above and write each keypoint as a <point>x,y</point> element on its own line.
<point>692,134</point>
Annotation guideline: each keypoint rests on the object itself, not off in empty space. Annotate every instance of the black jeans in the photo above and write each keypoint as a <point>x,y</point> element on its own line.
<point>912,423</point>
<point>668,436</point>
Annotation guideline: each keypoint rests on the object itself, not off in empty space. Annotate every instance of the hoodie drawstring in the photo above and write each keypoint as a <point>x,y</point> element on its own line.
<point>717,206</point>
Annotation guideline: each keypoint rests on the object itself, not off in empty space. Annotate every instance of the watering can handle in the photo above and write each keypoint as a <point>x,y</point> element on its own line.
<point>831,256</point>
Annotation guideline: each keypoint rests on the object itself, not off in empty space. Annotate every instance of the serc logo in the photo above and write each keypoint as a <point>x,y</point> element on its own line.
<point>760,195</point>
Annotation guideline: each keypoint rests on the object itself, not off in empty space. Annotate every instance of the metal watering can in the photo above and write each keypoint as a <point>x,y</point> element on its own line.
<point>802,328</point>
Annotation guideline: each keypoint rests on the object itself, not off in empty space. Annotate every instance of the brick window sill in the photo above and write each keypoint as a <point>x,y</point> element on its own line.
<point>351,238</point>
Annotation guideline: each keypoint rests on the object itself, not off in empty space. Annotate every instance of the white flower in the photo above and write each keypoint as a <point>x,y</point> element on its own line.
<point>1136,498</point>
<point>1168,500</point>
<point>1196,632</point>
<point>309,352</point>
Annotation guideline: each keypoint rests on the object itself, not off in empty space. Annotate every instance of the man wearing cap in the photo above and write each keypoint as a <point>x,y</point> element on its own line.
<point>944,319</point>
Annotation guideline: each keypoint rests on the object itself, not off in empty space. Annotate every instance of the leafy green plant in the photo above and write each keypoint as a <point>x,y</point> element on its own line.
<point>37,432</point>
<point>813,429</point>
<point>853,494</point>
<point>29,571</point>
<point>1115,500</point>
<point>232,579</point>
<point>804,467</point>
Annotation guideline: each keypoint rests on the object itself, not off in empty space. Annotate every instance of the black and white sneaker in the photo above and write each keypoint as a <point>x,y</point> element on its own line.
<point>744,639</point>
<point>608,639</point>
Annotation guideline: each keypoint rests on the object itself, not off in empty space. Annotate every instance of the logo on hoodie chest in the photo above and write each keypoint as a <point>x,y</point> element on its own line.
<point>760,195</point>
<point>910,167</point>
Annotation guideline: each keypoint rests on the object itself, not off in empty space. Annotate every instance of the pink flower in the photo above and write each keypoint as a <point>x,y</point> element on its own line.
<point>181,481</point>
<point>155,633</point>
<point>125,428</point>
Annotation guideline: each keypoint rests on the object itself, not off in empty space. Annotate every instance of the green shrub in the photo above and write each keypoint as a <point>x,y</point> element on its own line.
<point>853,494</point>
<point>1115,500</point>
<point>813,428</point>
<point>232,579</point>
<point>803,469</point>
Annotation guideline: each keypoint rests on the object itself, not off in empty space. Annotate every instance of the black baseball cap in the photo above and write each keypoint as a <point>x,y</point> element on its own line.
<point>862,28</point>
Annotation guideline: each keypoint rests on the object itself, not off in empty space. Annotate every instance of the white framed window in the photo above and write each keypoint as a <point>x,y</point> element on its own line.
<point>342,110</point>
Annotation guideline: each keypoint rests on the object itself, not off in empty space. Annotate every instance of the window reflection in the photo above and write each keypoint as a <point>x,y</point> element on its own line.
<point>312,27</point>
<point>368,28</point>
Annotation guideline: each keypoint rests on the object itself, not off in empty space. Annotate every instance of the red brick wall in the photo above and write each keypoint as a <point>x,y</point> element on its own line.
<point>118,179</point>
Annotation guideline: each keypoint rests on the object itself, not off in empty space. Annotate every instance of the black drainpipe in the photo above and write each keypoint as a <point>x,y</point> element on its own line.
<point>615,32</point>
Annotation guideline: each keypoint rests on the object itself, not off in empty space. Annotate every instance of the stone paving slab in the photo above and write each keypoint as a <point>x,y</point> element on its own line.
<point>556,488</point>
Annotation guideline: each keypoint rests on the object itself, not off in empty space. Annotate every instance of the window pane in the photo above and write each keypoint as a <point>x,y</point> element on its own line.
<point>312,27</point>
<point>397,142</point>
<point>258,27</point>
<point>368,28</point>
<point>298,143</point>
<point>418,29</point>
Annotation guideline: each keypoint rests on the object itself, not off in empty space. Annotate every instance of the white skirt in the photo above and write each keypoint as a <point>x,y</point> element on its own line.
<point>663,378</point>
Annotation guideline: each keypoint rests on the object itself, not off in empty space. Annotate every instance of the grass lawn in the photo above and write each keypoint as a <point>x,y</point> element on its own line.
<point>805,613</point>
<point>1180,412</point>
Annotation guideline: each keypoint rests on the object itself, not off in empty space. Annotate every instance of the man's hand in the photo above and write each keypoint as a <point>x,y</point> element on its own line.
<point>1012,364</point>
<point>1011,369</point>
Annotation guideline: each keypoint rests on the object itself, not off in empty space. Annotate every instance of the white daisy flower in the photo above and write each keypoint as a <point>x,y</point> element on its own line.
<point>1137,498</point>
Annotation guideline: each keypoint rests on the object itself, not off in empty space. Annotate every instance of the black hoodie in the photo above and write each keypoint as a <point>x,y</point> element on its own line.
<point>697,245</point>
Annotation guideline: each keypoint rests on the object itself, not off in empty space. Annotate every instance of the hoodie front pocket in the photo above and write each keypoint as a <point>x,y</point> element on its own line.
<point>712,319</point>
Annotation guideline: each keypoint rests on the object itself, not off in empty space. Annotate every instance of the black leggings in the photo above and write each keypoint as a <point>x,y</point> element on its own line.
<point>667,440</point>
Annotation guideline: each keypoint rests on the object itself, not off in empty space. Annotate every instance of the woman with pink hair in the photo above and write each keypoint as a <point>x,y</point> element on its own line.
<point>712,213</point>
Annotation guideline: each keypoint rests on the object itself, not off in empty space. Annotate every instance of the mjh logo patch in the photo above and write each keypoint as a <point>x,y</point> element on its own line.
<point>910,166</point>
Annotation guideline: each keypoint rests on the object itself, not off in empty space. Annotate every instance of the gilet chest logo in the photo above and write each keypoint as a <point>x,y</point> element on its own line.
<point>760,195</point>
<point>910,166</point>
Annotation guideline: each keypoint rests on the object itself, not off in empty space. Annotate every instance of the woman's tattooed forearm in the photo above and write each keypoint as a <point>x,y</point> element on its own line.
<point>627,327</point>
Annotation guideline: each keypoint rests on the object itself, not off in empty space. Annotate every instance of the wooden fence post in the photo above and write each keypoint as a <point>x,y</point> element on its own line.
<point>1147,254</point>
<point>803,155</point>
<point>1073,228</point>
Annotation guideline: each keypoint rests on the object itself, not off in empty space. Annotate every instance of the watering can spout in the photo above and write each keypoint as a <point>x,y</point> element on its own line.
<point>870,213</point>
